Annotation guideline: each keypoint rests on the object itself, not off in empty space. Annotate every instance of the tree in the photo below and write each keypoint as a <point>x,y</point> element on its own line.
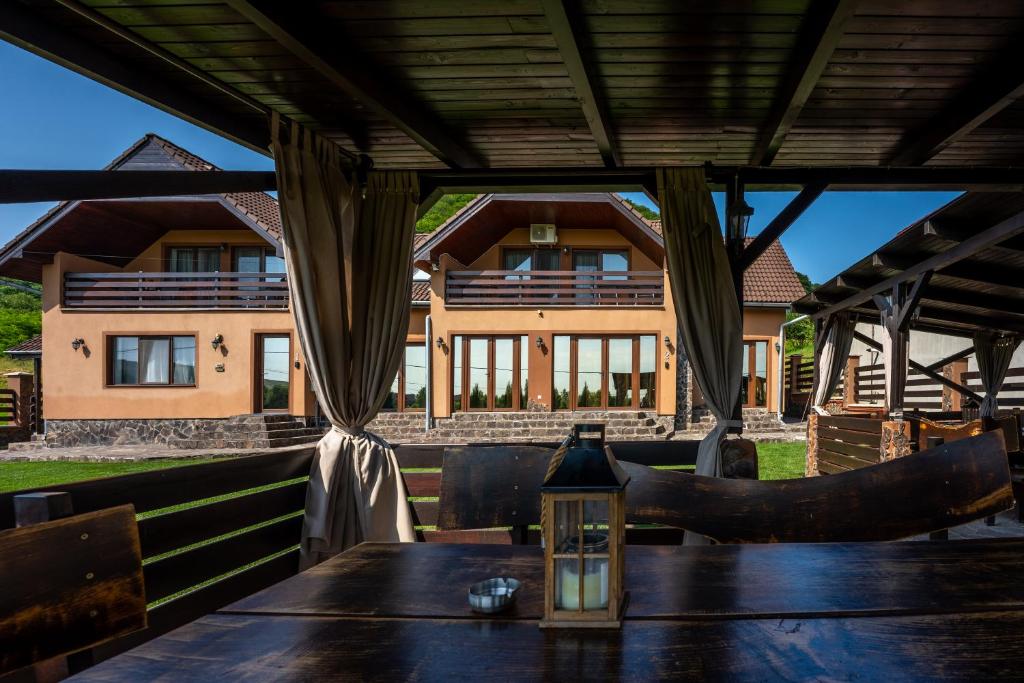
<point>806,282</point>
<point>646,212</point>
<point>444,209</point>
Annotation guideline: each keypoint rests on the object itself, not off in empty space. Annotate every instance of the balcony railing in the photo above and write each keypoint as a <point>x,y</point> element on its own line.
<point>554,288</point>
<point>175,290</point>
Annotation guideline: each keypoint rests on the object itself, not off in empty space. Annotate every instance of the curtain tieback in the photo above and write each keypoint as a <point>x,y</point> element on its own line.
<point>350,431</point>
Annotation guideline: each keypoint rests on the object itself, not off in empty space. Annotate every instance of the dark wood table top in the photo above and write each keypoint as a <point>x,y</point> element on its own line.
<point>872,611</point>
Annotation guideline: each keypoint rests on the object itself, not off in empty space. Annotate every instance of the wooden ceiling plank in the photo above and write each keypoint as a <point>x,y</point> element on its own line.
<point>977,103</point>
<point>351,73</point>
<point>818,40</point>
<point>570,42</point>
<point>21,27</point>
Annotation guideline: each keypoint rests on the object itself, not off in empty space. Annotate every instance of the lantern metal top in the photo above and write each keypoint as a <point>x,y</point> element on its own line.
<point>587,464</point>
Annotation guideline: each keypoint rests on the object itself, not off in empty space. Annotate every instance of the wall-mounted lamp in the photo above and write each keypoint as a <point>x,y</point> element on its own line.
<point>77,343</point>
<point>440,342</point>
<point>539,343</point>
<point>217,341</point>
<point>434,267</point>
<point>778,347</point>
<point>668,342</point>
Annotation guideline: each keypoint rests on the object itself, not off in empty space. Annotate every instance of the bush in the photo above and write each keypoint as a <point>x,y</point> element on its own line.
<point>17,326</point>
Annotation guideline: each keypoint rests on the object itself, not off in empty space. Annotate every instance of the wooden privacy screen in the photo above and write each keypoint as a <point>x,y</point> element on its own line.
<point>69,584</point>
<point>937,489</point>
<point>847,443</point>
<point>251,536</point>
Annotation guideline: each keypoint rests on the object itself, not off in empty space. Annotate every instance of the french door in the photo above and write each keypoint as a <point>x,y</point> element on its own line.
<point>273,373</point>
<point>754,383</point>
<point>490,373</point>
<point>616,372</point>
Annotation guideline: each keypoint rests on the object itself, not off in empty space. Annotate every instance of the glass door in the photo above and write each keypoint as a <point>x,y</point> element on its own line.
<point>754,383</point>
<point>273,373</point>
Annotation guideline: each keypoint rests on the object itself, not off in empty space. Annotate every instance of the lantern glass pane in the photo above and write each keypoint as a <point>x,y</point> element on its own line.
<point>567,523</point>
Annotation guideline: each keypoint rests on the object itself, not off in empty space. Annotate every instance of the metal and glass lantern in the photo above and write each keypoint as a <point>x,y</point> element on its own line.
<point>583,498</point>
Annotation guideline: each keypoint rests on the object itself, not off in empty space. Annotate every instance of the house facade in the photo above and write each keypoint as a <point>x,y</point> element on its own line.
<point>167,320</point>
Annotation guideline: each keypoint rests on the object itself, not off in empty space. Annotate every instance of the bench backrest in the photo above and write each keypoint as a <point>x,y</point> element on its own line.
<point>69,584</point>
<point>936,489</point>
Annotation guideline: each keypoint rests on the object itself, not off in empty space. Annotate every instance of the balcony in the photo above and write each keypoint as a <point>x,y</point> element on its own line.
<point>557,288</point>
<point>156,291</point>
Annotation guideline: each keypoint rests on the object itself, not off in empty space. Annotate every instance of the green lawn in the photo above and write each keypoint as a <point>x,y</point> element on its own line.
<point>15,476</point>
<point>777,461</point>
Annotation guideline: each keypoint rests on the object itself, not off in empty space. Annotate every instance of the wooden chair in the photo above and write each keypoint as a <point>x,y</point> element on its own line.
<point>486,487</point>
<point>937,489</point>
<point>69,584</point>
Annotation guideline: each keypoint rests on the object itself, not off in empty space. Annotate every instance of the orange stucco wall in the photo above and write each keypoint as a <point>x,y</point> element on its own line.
<point>75,382</point>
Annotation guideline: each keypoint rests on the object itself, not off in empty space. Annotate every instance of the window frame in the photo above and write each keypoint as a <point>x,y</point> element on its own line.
<point>109,343</point>
<point>517,341</point>
<point>400,406</point>
<point>168,248</point>
<point>634,404</point>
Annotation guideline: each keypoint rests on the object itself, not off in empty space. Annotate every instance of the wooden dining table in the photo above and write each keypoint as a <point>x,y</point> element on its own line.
<point>829,611</point>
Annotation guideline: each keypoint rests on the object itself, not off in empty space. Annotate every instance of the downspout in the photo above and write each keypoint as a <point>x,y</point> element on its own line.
<point>782,359</point>
<point>428,408</point>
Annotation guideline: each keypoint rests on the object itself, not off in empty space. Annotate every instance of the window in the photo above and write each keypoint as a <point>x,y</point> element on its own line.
<point>590,261</point>
<point>163,360</point>
<point>531,259</point>
<point>604,372</point>
<point>490,373</point>
<point>193,259</point>
<point>257,260</point>
<point>409,390</point>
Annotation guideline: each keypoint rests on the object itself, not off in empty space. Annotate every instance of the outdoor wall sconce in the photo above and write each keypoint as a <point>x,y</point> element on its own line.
<point>539,343</point>
<point>434,267</point>
<point>217,341</point>
<point>739,215</point>
<point>77,343</point>
<point>440,342</point>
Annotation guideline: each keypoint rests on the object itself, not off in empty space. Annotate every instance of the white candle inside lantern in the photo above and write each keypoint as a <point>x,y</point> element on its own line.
<point>595,584</point>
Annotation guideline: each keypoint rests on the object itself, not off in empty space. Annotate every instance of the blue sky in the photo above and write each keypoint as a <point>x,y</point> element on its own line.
<point>53,118</point>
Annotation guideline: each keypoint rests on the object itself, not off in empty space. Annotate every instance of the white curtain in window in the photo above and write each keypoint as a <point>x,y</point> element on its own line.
<point>154,357</point>
<point>349,256</point>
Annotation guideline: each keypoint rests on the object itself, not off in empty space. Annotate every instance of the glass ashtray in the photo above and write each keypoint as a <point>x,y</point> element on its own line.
<point>493,595</point>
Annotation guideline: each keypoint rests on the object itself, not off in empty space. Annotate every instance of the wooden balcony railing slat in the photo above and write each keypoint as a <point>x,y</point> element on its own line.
<point>554,288</point>
<point>175,290</point>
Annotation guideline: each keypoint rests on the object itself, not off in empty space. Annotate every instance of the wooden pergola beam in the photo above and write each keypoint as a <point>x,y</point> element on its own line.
<point>781,223</point>
<point>570,46</point>
<point>982,239</point>
<point>51,186</point>
<point>818,40</point>
<point>927,371</point>
<point>22,27</point>
<point>976,104</point>
<point>350,71</point>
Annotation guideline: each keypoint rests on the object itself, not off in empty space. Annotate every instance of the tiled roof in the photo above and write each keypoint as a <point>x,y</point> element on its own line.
<point>420,239</point>
<point>420,290</point>
<point>258,206</point>
<point>31,346</point>
<point>771,278</point>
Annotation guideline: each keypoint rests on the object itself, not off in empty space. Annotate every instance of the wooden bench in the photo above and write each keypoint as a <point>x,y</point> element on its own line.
<point>68,584</point>
<point>947,486</point>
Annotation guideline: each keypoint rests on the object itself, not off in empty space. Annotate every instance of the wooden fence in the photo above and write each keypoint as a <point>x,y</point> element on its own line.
<point>1012,393</point>
<point>8,407</point>
<point>922,393</point>
<point>847,443</point>
<point>798,383</point>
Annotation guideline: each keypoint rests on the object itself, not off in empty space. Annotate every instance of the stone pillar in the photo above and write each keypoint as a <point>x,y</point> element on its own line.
<point>23,386</point>
<point>684,404</point>
<point>895,439</point>
<point>850,380</point>
<point>811,466</point>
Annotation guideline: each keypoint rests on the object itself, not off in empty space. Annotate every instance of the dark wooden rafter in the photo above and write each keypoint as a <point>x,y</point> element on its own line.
<point>568,36</point>
<point>913,298</point>
<point>928,371</point>
<point>353,73</point>
<point>818,40</point>
<point>952,358</point>
<point>21,27</point>
<point>781,223</point>
<point>977,103</point>
<point>981,239</point>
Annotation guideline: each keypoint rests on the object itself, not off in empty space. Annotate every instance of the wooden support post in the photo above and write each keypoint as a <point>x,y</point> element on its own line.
<point>954,372</point>
<point>35,508</point>
<point>734,245</point>
<point>850,380</point>
<point>811,466</point>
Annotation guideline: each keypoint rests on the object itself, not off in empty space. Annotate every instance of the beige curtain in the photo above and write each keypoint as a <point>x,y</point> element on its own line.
<point>705,300</point>
<point>348,252</point>
<point>994,353</point>
<point>831,356</point>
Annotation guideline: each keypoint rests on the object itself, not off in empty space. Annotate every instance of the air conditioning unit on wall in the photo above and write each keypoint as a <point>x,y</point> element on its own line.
<point>543,233</point>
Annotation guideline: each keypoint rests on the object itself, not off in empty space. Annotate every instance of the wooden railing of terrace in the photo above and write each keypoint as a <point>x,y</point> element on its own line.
<point>1011,395</point>
<point>175,290</point>
<point>847,443</point>
<point>216,532</point>
<point>8,407</point>
<point>554,288</point>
